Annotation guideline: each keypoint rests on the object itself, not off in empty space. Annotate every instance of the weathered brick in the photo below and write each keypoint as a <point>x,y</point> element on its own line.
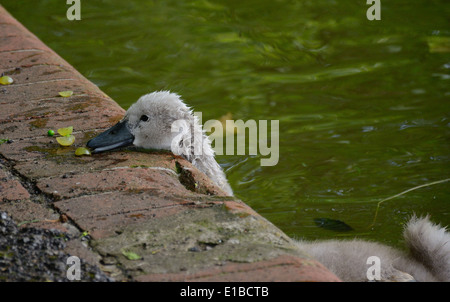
<point>24,111</point>
<point>44,90</point>
<point>106,214</point>
<point>115,180</point>
<point>28,58</point>
<point>43,157</point>
<point>40,73</point>
<point>22,41</point>
<point>12,29</point>
<point>27,213</point>
<point>284,268</point>
<point>10,188</point>
<point>56,113</point>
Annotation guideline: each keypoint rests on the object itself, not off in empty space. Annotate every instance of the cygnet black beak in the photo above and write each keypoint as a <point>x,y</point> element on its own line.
<point>115,137</point>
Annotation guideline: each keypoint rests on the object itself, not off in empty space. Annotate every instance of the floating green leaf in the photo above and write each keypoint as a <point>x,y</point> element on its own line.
<point>66,140</point>
<point>82,151</point>
<point>65,131</point>
<point>131,255</point>
<point>66,94</point>
<point>5,80</point>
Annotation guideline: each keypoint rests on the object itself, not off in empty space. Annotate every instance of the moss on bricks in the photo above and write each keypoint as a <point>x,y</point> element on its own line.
<point>194,240</point>
<point>39,123</point>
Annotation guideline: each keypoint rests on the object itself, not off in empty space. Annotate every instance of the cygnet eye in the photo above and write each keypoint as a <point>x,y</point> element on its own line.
<point>144,118</point>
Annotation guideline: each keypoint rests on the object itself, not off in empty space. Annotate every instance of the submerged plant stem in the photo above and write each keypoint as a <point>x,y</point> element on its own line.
<point>404,192</point>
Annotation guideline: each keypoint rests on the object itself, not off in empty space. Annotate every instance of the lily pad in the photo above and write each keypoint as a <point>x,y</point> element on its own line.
<point>5,80</point>
<point>332,224</point>
<point>66,94</point>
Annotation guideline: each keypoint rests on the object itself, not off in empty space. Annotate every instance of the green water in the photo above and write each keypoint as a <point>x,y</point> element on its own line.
<point>363,105</point>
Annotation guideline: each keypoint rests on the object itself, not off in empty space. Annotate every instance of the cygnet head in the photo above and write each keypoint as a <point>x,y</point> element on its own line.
<point>147,124</point>
<point>160,120</point>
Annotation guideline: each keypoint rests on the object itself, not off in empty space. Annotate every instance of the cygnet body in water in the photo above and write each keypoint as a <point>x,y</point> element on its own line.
<point>427,258</point>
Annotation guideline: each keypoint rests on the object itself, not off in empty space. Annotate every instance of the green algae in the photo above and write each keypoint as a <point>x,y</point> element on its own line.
<point>131,255</point>
<point>77,107</point>
<point>39,123</point>
<point>4,140</point>
<point>88,135</point>
<point>36,148</point>
<point>195,239</point>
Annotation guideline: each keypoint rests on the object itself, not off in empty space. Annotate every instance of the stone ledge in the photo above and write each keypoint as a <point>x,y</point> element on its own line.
<point>154,204</point>
<point>279,269</point>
